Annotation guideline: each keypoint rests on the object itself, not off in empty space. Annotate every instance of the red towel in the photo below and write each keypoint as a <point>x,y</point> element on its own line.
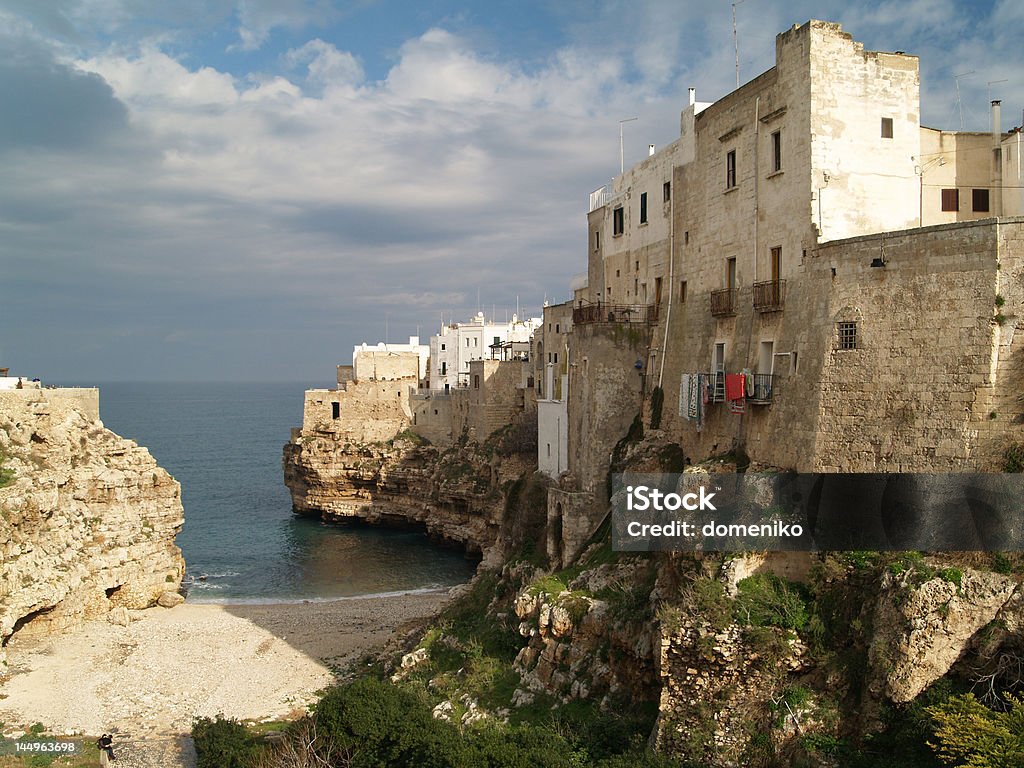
<point>734,386</point>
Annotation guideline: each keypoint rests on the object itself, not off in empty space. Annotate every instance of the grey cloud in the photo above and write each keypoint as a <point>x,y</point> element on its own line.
<point>49,104</point>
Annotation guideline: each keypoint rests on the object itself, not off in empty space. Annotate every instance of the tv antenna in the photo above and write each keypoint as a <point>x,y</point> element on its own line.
<point>994,82</point>
<point>959,102</point>
<point>622,163</point>
<point>736,41</point>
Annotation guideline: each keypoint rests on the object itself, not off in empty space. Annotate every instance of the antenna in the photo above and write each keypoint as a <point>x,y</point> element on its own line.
<point>959,103</point>
<point>622,164</point>
<point>990,84</point>
<point>736,41</point>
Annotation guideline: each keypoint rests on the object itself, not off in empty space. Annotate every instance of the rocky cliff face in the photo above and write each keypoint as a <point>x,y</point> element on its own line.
<point>87,519</point>
<point>458,495</point>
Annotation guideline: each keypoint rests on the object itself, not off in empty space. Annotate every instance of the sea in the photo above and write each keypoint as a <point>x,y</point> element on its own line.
<point>241,542</point>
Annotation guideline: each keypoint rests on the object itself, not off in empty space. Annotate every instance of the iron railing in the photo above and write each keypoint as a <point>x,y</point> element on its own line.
<point>645,314</point>
<point>770,295</point>
<point>764,388</point>
<point>723,302</point>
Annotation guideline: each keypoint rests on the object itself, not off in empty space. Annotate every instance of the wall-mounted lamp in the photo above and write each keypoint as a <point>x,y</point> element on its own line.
<point>878,261</point>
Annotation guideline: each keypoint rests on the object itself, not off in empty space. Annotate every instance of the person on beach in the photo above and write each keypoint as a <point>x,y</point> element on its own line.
<point>106,745</point>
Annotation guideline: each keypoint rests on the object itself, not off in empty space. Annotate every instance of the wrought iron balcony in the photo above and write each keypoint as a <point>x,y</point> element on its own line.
<point>615,313</point>
<point>764,387</point>
<point>723,302</point>
<point>769,296</point>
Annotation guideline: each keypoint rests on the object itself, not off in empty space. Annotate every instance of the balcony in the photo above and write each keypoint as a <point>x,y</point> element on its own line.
<point>764,387</point>
<point>723,302</point>
<point>769,296</point>
<point>644,314</point>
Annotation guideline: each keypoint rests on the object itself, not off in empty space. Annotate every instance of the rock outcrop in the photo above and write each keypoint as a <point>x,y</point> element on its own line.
<point>457,495</point>
<point>87,519</point>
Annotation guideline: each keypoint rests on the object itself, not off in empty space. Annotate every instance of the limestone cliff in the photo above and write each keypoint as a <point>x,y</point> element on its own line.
<point>87,518</point>
<point>457,495</point>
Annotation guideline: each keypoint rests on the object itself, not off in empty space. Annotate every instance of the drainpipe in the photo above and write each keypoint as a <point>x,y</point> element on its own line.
<point>997,159</point>
<point>671,279</point>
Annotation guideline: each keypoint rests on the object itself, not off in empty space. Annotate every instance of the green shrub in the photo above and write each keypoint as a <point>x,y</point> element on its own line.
<point>6,475</point>
<point>1013,458</point>
<point>223,743</point>
<point>765,600</point>
<point>969,733</point>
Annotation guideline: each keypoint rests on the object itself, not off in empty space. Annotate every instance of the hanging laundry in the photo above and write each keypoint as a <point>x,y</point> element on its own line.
<point>737,406</point>
<point>734,386</point>
<point>684,393</point>
<point>693,399</point>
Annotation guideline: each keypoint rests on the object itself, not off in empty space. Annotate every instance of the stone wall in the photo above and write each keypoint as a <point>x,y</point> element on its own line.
<point>360,411</point>
<point>607,395</point>
<point>382,365</point>
<point>432,416</point>
<point>86,400</point>
<point>496,395</point>
<point>88,522</point>
<point>931,385</point>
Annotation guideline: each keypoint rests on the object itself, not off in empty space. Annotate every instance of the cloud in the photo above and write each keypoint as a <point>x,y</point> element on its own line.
<point>258,18</point>
<point>268,216</point>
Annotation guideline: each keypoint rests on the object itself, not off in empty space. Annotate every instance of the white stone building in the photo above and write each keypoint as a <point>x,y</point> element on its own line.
<point>458,344</point>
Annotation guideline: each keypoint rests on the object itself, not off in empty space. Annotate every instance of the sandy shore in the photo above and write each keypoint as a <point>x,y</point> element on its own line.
<point>152,678</point>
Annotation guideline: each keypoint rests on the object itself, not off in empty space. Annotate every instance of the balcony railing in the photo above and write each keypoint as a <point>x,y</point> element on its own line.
<point>615,313</point>
<point>723,302</point>
<point>764,387</point>
<point>770,295</point>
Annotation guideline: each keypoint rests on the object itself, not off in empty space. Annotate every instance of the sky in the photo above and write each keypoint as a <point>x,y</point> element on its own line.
<point>222,190</point>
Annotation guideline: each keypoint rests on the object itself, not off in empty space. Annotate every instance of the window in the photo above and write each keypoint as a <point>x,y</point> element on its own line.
<point>979,200</point>
<point>776,151</point>
<point>686,237</point>
<point>618,222</point>
<point>476,381</point>
<point>597,240</point>
<point>557,326</point>
<point>666,191</point>
<point>951,199</point>
<point>549,357</point>
<point>730,273</point>
<point>730,169</point>
<point>556,358</point>
<point>442,347</point>
<point>616,273</point>
<point>638,266</point>
<point>848,335</point>
<point>682,292</point>
<point>336,410</point>
<point>643,207</point>
<point>444,368</point>
<point>776,265</point>
<point>886,127</point>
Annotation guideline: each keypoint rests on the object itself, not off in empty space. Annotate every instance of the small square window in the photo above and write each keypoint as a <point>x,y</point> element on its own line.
<point>618,221</point>
<point>666,191</point>
<point>886,127</point>
<point>979,200</point>
<point>643,207</point>
<point>951,199</point>
<point>848,335</point>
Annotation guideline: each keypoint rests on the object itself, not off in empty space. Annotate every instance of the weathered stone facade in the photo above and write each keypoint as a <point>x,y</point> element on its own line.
<point>87,522</point>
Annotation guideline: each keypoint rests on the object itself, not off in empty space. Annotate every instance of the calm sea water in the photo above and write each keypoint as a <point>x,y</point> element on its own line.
<point>223,443</point>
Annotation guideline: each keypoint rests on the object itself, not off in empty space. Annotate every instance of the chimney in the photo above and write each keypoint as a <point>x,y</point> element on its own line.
<point>650,150</point>
<point>997,159</point>
<point>693,96</point>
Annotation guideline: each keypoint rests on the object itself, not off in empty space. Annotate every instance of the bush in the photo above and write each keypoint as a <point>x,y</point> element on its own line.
<point>969,733</point>
<point>223,743</point>
<point>765,600</point>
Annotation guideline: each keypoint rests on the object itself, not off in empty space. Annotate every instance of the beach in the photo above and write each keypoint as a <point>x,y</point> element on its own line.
<point>151,679</point>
